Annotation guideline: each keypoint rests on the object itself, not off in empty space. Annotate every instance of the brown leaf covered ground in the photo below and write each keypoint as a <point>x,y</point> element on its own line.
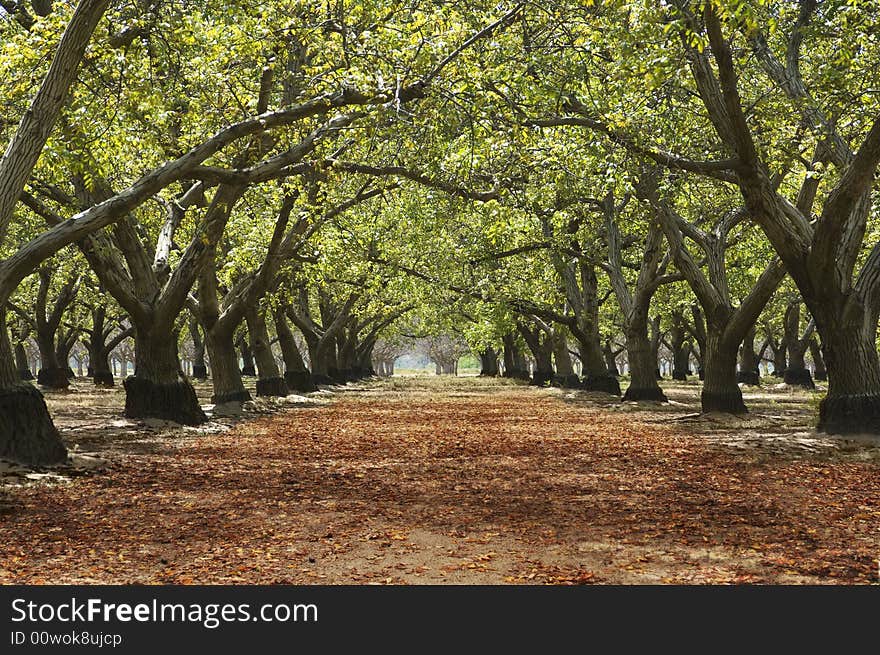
<point>459,481</point>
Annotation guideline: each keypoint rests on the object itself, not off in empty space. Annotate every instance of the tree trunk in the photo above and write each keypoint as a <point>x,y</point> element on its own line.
<point>27,433</point>
<point>514,363</point>
<point>818,361</point>
<point>248,367</point>
<point>850,352</point>
<point>199,369</point>
<point>748,361</point>
<point>796,373</point>
<point>158,389</point>
<point>565,376</point>
<point>642,362</point>
<point>21,362</point>
<point>488,362</point>
<point>270,382</point>
<point>296,374</point>
<point>720,390</point>
<point>610,359</point>
<point>99,363</point>
<point>51,373</point>
<point>225,373</point>
<point>780,361</point>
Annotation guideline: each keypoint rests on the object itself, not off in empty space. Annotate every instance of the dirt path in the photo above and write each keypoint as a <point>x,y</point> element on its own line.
<point>467,481</point>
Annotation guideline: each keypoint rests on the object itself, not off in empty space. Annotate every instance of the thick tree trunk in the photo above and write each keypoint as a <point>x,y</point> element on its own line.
<point>514,363</point>
<point>158,389</point>
<point>720,390</point>
<point>51,374</point>
<point>270,382</point>
<point>488,362</point>
<point>296,374</point>
<point>27,433</point>
<point>225,373</point>
<point>850,352</point>
<point>642,363</point>
<point>99,364</point>
<point>748,361</point>
<point>596,376</point>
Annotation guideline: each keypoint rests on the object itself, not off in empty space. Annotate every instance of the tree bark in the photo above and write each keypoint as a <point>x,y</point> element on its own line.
<point>818,360</point>
<point>514,363</point>
<point>565,375</point>
<point>642,360</point>
<point>488,362</point>
<point>199,369</point>
<point>748,360</point>
<point>158,389</point>
<point>296,374</point>
<point>721,393</point>
<point>270,382</point>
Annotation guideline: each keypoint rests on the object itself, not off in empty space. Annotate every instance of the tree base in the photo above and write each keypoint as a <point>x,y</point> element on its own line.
<point>822,376</point>
<point>658,374</point>
<point>26,375</point>
<point>701,374</point>
<point>680,375</point>
<point>541,379</point>
<point>604,383</point>
<point>231,397</point>
<point>730,402</point>
<point>798,377</point>
<point>654,393</point>
<point>27,434</point>
<point>272,387</point>
<point>174,401</point>
<point>249,371</point>
<point>300,381</point>
<point>103,379</point>
<point>850,414</point>
<point>200,372</point>
<point>748,377</point>
<point>318,378</point>
<point>53,378</point>
<point>516,374</point>
<point>566,381</point>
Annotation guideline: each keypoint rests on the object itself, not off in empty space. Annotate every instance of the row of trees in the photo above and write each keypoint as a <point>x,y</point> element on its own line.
<point>582,179</point>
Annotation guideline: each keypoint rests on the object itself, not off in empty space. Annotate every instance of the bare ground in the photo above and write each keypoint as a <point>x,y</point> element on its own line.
<point>429,480</point>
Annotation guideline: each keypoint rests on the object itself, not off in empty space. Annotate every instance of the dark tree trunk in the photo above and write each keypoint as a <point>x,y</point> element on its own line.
<point>542,351</point>
<point>296,374</point>
<point>796,373</point>
<point>748,361</point>
<point>488,362</point>
<point>199,369</point>
<point>270,382</point>
<point>51,373</point>
<point>818,361</point>
<point>780,361</point>
<point>21,362</point>
<point>158,389</point>
<point>681,349</point>
<point>514,363</point>
<point>850,352</point>
<point>27,433</point>
<point>248,367</point>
